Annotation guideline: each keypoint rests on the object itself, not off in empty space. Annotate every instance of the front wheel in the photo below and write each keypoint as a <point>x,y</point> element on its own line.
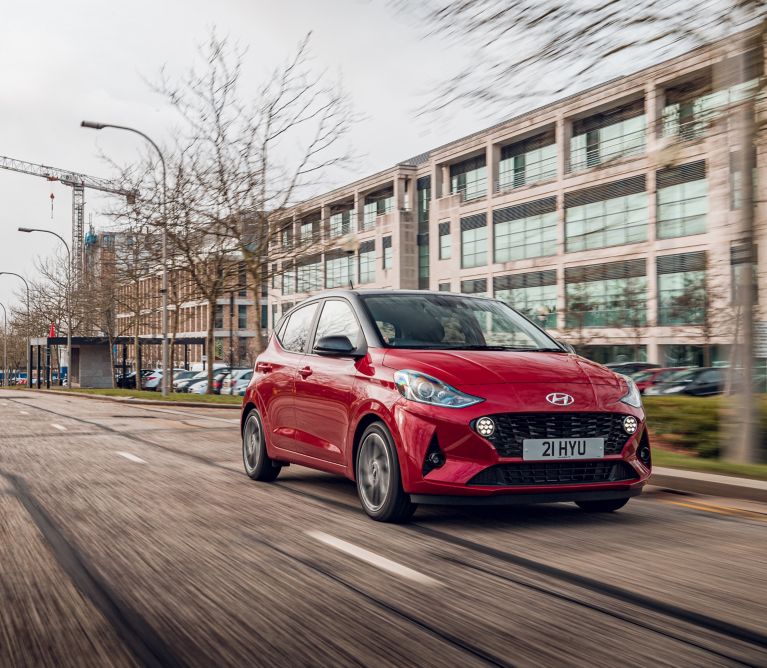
<point>606,506</point>
<point>258,465</point>
<point>379,483</point>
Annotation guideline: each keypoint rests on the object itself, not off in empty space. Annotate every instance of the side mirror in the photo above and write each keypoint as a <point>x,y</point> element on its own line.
<point>334,345</point>
<point>566,346</point>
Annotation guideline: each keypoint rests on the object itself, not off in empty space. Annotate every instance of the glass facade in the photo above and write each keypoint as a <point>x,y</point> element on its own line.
<point>367,261</point>
<point>340,223</point>
<point>388,253</point>
<point>682,209</point>
<point>469,178</point>
<point>310,276</point>
<point>423,264</point>
<point>533,294</point>
<point>339,271</point>
<point>288,280</point>
<point>474,286</point>
<point>527,162</point>
<point>532,236</point>
<point>242,316</point>
<point>474,241</point>
<point>423,202</point>
<point>595,147</point>
<point>610,222</point>
<point>445,242</point>
<point>377,204</point>
<point>682,294</point>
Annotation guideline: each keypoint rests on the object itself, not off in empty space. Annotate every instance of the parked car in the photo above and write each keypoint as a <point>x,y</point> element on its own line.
<point>202,377</point>
<point>129,382</point>
<point>153,381</point>
<point>239,386</point>
<point>200,387</point>
<point>699,382</point>
<point>232,379</point>
<point>649,377</point>
<point>437,398</point>
<point>218,379</point>
<point>631,367</point>
<point>182,384</point>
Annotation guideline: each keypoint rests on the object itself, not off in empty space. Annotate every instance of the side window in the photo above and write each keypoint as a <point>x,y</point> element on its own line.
<point>337,319</point>
<point>388,331</point>
<point>710,376</point>
<point>295,334</point>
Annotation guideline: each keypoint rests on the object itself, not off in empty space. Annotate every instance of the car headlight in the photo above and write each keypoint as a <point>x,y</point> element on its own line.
<point>632,397</point>
<point>417,386</point>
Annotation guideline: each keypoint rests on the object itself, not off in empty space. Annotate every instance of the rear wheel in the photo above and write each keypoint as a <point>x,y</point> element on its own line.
<point>379,483</point>
<point>607,506</point>
<point>258,465</point>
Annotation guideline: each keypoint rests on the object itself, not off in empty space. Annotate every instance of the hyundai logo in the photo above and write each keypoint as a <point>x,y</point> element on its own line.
<point>559,399</point>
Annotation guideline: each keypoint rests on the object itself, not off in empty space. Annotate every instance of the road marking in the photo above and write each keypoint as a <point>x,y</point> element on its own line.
<point>371,558</point>
<point>23,413</point>
<point>721,510</point>
<point>131,457</point>
<point>58,426</point>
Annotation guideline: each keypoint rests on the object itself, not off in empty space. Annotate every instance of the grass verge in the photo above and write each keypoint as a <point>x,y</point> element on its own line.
<point>677,460</point>
<point>156,396</point>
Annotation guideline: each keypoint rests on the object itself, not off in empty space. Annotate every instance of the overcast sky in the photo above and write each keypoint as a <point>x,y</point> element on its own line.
<point>64,62</point>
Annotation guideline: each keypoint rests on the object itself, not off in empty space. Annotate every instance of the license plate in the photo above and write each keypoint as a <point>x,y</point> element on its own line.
<point>563,448</point>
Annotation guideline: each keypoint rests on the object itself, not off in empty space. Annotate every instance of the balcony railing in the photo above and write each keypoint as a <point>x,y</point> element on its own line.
<point>607,150</point>
<point>471,191</point>
<point>534,172</point>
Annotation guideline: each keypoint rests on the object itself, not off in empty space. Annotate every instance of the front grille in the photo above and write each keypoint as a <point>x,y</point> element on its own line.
<point>512,428</point>
<point>554,473</point>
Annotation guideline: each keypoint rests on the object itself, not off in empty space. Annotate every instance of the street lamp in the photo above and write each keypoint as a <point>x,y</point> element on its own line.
<point>29,325</point>
<point>5,346</point>
<point>68,296</point>
<point>166,373</point>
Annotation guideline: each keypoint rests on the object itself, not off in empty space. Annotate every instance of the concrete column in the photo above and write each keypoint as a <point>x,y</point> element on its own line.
<point>653,109</point>
<point>445,179</point>
<point>359,204</point>
<point>493,158</point>
<point>436,182</point>
<point>399,193</point>
<point>324,221</point>
<point>563,132</point>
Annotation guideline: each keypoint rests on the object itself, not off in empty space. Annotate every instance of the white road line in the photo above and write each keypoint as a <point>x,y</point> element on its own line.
<point>58,426</point>
<point>371,558</point>
<point>23,413</point>
<point>131,457</point>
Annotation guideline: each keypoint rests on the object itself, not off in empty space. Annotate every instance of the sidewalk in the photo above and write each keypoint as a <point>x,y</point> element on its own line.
<point>711,484</point>
<point>146,402</point>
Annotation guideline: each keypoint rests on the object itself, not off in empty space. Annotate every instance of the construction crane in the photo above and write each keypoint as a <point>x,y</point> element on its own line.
<point>78,183</point>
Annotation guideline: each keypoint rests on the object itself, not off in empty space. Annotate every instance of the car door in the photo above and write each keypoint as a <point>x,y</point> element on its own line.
<point>710,381</point>
<point>324,387</point>
<point>276,369</point>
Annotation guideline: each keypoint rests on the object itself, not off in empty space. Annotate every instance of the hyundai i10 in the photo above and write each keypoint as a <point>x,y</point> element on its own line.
<point>439,398</point>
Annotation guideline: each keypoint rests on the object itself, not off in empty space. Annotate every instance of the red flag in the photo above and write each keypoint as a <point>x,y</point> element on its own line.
<point>52,333</point>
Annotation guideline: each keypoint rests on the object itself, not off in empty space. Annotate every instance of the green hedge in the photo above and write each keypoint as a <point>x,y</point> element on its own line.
<point>694,423</point>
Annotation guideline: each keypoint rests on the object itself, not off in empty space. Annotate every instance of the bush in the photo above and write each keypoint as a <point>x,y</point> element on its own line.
<point>695,423</point>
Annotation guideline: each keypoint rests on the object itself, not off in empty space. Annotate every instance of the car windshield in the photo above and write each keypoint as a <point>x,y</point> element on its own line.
<point>684,376</point>
<point>642,376</point>
<point>453,322</point>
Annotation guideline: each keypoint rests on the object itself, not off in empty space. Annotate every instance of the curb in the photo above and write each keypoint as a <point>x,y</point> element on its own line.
<point>142,402</point>
<point>695,482</point>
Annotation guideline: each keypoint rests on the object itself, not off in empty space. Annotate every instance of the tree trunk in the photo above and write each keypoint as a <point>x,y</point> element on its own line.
<point>210,343</point>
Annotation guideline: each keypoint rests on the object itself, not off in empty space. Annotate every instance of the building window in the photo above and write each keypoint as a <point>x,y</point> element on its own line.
<point>528,161</point>
<point>309,229</point>
<point>609,215</point>
<point>474,286</point>
<point>275,276</point>
<point>341,222</point>
<point>287,234</point>
<point>682,200</point>
<point>367,258</point>
<point>607,295</point>
<point>338,270</point>
<point>474,241</point>
<point>310,275</point>
<point>533,294</point>
<point>444,287</point>
<point>242,316</point>
<point>289,280</point>
<point>525,231</point>
<point>445,242</point>
<point>264,317</point>
<point>218,319</point>
<point>242,280</point>
<point>377,204</point>
<point>682,289</point>
<point>423,261</point>
<point>606,136</point>
<point>468,178</point>
<point>423,186</point>
<point>388,253</point>
<point>739,255</point>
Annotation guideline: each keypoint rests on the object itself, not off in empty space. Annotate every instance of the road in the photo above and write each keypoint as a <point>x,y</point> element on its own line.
<point>129,535</point>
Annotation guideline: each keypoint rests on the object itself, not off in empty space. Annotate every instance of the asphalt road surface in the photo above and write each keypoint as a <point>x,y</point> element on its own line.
<point>130,535</point>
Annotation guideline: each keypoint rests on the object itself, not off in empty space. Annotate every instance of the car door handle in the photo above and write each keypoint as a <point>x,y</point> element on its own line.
<point>305,372</point>
<point>263,367</point>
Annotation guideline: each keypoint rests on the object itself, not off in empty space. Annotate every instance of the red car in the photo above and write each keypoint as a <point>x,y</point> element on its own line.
<point>438,398</point>
<point>649,377</point>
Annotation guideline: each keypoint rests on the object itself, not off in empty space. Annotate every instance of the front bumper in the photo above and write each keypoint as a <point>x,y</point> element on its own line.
<point>476,468</point>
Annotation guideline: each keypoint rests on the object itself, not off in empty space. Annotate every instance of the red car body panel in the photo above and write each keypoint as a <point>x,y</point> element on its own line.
<point>315,407</point>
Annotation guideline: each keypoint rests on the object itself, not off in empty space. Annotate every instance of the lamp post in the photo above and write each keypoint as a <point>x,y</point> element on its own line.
<point>5,346</point>
<point>68,296</point>
<point>29,325</point>
<point>166,371</point>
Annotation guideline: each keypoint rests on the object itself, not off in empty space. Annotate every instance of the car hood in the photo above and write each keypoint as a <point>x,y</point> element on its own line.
<point>465,368</point>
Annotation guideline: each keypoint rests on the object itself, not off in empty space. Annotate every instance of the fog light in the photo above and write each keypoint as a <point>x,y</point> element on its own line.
<point>485,427</point>
<point>644,455</point>
<point>436,459</point>
<point>630,424</point>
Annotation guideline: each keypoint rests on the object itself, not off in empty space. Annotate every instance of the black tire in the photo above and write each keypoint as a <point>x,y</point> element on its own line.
<point>257,463</point>
<point>607,506</point>
<point>381,472</point>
